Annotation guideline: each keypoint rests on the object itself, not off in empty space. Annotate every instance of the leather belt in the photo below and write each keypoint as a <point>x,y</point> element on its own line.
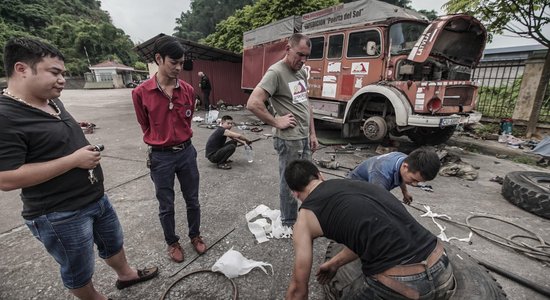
<point>174,148</point>
<point>408,270</point>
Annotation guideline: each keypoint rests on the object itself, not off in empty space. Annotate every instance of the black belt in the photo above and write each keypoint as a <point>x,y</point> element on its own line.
<point>174,148</point>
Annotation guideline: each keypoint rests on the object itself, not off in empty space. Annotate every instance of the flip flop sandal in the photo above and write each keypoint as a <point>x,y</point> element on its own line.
<point>224,166</point>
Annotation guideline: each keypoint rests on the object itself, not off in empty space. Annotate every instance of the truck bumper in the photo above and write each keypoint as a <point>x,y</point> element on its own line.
<point>440,121</point>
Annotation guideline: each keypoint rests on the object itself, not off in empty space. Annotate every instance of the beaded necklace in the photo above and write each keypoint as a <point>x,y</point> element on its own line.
<point>50,102</point>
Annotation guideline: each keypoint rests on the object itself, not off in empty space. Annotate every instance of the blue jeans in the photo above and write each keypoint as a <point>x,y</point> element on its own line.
<point>288,151</point>
<point>164,167</point>
<point>437,283</point>
<point>69,237</point>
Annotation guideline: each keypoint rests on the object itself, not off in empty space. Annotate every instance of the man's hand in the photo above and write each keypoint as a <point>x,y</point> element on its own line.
<point>86,157</point>
<point>407,198</point>
<point>286,121</point>
<point>326,272</point>
<point>313,142</point>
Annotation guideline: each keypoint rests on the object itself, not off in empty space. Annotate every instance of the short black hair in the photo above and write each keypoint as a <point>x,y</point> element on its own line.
<point>226,117</point>
<point>168,46</point>
<point>27,50</point>
<point>424,160</point>
<point>299,173</point>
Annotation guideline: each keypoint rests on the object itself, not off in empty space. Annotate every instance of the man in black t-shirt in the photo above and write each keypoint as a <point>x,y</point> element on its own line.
<point>44,153</point>
<point>218,150</point>
<point>399,257</point>
<point>206,87</point>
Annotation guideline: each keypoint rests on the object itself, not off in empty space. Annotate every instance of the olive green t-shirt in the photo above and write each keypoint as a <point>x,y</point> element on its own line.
<point>288,91</point>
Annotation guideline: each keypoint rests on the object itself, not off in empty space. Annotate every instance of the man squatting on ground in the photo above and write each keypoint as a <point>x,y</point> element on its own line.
<point>219,151</point>
<point>399,257</point>
<point>164,108</point>
<point>285,86</point>
<point>43,152</point>
<point>396,169</point>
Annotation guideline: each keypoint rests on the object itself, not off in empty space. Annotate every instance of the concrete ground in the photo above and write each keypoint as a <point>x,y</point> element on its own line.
<point>28,272</point>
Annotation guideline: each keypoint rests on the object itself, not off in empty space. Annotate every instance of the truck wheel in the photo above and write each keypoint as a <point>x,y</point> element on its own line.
<point>529,191</point>
<point>473,281</point>
<point>430,135</point>
<point>375,128</point>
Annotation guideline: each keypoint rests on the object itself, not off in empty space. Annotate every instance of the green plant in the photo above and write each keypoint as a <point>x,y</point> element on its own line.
<point>524,160</point>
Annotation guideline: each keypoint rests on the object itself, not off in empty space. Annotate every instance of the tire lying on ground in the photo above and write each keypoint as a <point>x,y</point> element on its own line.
<point>529,191</point>
<point>473,281</point>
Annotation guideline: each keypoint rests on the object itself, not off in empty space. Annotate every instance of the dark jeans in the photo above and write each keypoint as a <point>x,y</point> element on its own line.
<point>223,154</point>
<point>437,283</point>
<point>206,99</point>
<point>183,164</point>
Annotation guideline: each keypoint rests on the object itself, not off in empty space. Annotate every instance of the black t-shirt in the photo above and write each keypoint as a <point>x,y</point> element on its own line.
<point>29,135</point>
<point>371,222</point>
<point>215,141</point>
<point>205,83</point>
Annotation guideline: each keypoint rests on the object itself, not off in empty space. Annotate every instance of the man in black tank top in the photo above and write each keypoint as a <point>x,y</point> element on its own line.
<point>400,259</point>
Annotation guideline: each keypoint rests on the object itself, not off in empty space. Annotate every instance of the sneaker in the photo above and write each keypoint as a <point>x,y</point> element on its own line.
<point>176,252</point>
<point>198,244</point>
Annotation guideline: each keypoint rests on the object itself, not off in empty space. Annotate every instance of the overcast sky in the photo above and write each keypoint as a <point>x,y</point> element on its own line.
<point>142,20</point>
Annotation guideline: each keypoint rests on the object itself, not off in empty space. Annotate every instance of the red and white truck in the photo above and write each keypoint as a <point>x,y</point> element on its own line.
<point>379,69</point>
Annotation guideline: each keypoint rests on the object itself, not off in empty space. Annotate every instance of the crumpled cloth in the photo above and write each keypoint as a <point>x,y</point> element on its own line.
<point>543,147</point>
<point>232,264</point>
<point>268,227</point>
<point>459,169</point>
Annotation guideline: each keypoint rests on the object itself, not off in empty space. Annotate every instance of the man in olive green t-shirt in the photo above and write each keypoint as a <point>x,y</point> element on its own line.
<point>284,85</point>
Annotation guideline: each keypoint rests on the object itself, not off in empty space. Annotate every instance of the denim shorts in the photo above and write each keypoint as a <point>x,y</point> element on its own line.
<point>69,237</point>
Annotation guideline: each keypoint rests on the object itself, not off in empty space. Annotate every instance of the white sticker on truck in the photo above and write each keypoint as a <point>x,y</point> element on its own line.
<point>334,67</point>
<point>329,90</point>
<point>360,68</point>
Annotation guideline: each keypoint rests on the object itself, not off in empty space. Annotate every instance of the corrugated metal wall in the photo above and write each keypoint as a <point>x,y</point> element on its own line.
<point>225,78</point>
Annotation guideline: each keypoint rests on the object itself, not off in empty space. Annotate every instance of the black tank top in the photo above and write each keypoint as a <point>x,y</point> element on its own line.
<point>371,222</point>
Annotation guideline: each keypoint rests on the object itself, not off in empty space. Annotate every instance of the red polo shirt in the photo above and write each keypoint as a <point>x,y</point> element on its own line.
<point>162,126</point>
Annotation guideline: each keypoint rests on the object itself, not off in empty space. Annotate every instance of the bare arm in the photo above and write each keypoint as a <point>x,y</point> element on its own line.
<point>313,142</point>
<point>236,136</point>
<point>35,173</point>
<point>328,269</point>
<point>256,105</point>
<point>407,198</point>
<point>305,230</point>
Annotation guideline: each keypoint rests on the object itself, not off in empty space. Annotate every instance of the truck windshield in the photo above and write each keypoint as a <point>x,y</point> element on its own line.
<point>403,36</point>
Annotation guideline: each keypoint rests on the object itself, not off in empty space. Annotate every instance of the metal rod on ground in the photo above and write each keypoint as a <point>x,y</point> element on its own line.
<point>534,286</point>
<point>252,141</point>
<point>195,258</point>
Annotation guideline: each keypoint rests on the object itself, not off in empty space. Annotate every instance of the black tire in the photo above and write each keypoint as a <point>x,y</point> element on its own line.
<point>473,280</point>
<point>430,135</point>
<point>529,191</point>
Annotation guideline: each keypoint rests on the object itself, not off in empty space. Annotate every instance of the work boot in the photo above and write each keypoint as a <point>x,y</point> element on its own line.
<point>198,244</point>
<point>176,252</point>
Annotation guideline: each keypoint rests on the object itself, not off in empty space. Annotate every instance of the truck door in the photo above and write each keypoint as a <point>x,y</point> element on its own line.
<point>362,64</point>
<point>333,66</point>
<point>315,66</point>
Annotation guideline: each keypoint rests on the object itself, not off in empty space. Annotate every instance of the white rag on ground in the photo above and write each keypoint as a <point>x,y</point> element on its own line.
<point>232,264</point>
<point>442,228</point>
<point>270,226</point>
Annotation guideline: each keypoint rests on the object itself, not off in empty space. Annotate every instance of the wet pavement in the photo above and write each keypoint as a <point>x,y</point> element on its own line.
<point>28,272</point>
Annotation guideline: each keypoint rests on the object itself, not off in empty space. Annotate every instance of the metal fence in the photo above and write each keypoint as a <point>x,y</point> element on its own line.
<point>499,82</point>
<point>499,85</point>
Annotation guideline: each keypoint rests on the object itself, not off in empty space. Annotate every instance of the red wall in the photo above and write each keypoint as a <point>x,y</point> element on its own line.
<point>225,78</point>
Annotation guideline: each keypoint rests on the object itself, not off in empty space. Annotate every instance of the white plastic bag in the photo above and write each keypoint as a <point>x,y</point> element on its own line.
<point>232,264</point>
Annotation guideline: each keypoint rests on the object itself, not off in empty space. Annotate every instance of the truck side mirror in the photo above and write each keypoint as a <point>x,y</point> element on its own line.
<point>371,48</point>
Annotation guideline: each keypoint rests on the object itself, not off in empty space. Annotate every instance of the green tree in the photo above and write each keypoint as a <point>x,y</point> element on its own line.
<point>525,18</point>
<point>201,19</point>
<point>229,32</point>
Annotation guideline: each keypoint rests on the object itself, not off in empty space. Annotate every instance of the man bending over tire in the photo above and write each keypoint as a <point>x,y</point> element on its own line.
<point>400,258</point>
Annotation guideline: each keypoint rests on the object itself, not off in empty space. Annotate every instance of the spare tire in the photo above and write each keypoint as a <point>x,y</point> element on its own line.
<point>473,281</point>
<point>529,191</point>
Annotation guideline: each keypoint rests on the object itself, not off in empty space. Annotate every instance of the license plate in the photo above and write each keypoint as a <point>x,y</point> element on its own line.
<point>448,122</point>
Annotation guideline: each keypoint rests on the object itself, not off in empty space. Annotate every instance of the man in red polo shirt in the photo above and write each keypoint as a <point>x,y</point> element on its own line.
<point>164,108</point>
